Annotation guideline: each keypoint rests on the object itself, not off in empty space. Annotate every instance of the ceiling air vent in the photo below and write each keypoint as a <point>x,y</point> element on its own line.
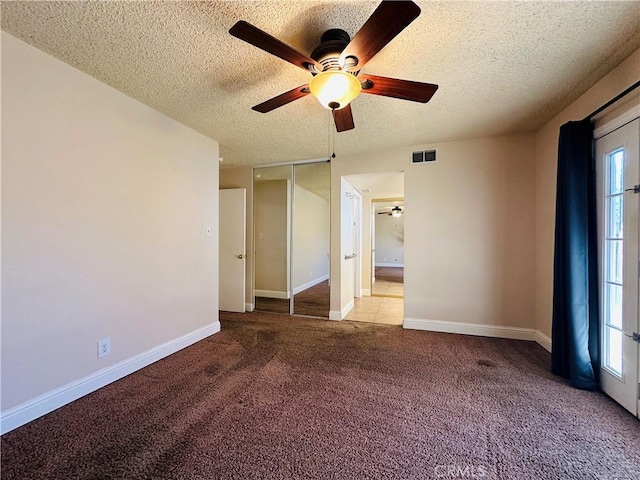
<point>423,156</point>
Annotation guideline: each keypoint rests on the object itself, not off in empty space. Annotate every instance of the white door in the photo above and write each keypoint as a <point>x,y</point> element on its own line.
<point>233,214</point>
<point>618,172</point>
<point>347,252</point>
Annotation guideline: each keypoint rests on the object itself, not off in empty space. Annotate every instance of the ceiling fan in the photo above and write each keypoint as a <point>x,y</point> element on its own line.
<point>337,62</point>
<point>394,212</point>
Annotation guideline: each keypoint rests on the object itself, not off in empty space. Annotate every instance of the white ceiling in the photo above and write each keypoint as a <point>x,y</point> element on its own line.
<point>380,185</point>
<point>502,67</point>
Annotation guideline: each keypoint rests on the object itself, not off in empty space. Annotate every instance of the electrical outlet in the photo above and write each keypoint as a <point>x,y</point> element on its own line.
<point>104,347</point>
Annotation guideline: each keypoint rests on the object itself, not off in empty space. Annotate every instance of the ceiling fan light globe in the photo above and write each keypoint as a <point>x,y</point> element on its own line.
<point>335,88</point>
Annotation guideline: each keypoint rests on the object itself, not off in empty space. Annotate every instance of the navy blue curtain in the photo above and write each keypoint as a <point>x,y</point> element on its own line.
<point>575,330</point>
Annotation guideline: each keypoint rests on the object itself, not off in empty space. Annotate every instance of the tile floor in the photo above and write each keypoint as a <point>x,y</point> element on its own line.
<point>387,310</point>
<point>384,287</point>
<point>386,305</point>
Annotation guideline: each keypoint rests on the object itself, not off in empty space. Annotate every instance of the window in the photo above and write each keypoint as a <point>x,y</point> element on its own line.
<point>612,261</point>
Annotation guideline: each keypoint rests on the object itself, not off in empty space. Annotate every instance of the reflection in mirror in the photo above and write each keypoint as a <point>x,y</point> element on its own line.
<point>272,238</point>
<point>311,223</point>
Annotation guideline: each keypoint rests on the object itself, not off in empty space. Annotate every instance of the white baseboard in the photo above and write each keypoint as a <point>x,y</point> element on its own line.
<point>389,265</point>
<point>543,340</point>
<point>499,331</point>
<point>347,308</point>
<point>271,294</point>
<point>366,292</point>
<point>310,284</point>
<point>339,315</point>
<point>248,307</point>
<point>41,405</point>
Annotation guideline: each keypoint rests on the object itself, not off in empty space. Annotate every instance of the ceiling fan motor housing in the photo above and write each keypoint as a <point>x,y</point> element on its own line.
<point>332,43</point>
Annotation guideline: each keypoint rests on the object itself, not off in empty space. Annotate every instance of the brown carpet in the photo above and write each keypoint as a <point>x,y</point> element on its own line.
<point>390,274</point>
<point>313,301</point>
<point>275,397</point>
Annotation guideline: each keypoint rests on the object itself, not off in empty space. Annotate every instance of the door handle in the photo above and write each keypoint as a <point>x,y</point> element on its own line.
<point>347,257</point>
<point>241,256</point>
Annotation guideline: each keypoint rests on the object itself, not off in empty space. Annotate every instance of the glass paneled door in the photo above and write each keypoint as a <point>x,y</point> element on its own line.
<point>618,172</point>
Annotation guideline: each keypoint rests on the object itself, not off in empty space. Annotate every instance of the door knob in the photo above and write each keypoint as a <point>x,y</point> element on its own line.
<point>240,256</point>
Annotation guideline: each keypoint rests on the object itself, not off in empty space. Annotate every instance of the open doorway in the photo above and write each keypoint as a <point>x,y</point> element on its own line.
<point>379,292</point>
<point>388,251</point>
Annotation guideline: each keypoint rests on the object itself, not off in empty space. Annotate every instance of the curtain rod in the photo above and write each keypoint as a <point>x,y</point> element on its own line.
<point>612,101</point>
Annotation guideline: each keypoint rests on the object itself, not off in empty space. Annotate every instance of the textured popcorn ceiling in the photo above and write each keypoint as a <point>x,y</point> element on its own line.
<point>502,67</point>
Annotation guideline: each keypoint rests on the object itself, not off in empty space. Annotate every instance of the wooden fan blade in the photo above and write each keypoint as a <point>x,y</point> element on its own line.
<point>258,38</point>
<point>343,119</point>
<point>396,88</point>
<point>282,99</point>
<point>387,21</point>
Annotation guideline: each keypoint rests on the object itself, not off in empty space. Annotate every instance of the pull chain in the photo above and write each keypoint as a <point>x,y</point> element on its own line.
<point>329,136</point>
<point>331,153</point>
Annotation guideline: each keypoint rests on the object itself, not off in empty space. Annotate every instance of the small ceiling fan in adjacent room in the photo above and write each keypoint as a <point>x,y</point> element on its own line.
<point>336,64</point>
<point>394,212</point>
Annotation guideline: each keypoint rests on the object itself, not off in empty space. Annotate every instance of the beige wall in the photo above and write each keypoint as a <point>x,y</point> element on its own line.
<point>105,205</point>
<point>310,239</point>
<point>242,177</point>
<point>469,230</point>
<point>623,76</point>
<point>389,240</point>
<point>272,238</point>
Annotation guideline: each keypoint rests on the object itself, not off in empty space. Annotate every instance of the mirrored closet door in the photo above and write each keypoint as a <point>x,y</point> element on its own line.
<point>311,221</point>
<point>272,238</point>
<point>291,225</point>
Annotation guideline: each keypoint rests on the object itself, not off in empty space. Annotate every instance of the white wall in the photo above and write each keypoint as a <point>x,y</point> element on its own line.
<point>105,205</point>
<point>389,241</point>
<point>469,234</point>
<point>310,239</point>
<point>242,177</point>
<point>623,76</point>
<point>272,238</point>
